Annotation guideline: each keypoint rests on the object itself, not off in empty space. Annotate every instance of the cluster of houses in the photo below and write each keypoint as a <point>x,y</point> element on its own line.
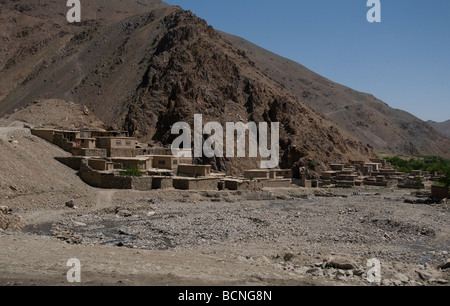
<point>377,172</point>
<point>102,159</point>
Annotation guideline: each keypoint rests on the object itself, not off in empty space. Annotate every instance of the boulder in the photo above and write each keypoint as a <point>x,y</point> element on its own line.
<point>70,204</point>
<point>288,256</point>
<point>124,213</point>
<point>341,263</point>
<point>445,265</point>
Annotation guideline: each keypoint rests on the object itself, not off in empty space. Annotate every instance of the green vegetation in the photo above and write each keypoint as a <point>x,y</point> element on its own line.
<point>424,163</point>
<point>131,171</point>
<point>251,177</point>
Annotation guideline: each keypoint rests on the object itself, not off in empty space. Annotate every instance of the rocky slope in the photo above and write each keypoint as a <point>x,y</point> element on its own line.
<point>362,115</point>
<point>441,127</point>
<point>151,66</point>
<point>56,113</point>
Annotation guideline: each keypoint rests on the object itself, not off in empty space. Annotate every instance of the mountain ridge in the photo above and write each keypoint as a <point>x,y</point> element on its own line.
<point>442,127</point>
<point>146,69</point>
<point>361,114</point>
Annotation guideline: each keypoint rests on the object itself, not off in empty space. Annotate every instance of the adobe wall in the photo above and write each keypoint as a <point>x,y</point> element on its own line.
<point>141,183</point>
<point>106,180</point>
<point>154,151</point>
<point>277,183</point>
<point>242,185</point>
<point>89,152</point>
<point>44,134</point>
<point>73,162</point>
<point>121,152</point>
<point>196,184</point>
<point>98,164</point>
<point>194,170</point>
<point>162,182</point>
<point>63,143</point>
<point>257,174</point>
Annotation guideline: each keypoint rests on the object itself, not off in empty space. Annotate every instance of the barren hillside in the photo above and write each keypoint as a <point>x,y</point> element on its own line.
<point>30,177</point>
<point>361,114</point>
<point>151,66</point>
<point>441,127</point>
<point>56,113</point>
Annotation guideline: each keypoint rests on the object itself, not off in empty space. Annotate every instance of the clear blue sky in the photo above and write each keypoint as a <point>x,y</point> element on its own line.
<point>404,60</point>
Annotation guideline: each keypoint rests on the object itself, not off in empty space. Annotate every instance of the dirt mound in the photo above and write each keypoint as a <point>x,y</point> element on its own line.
<point>30,177</point>
<point>56,113</point>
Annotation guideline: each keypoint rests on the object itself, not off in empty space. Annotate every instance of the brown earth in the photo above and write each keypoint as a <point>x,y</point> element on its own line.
<point>287,236</point>
<point>145,71</point>
<point>57,114</point>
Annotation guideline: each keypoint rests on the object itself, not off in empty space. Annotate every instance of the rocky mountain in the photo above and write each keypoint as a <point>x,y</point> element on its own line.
<point>144,65</point>
<point>441,127</point>
<point>56,113</point>
<point>369,119</point>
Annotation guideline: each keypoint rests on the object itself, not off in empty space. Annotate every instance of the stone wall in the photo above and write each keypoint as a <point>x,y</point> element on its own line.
<point>89,152</point>
<point>162,182</point>
<point>196,184</point>
<point>63,143</point>
<point>439,192</point>
<point>276,183</point>
<point>73,162</point>
<point>121,152</point>
<point>106,180</point>
<point>44,134</point>
<point>142,183</point>
<point>242,185</point>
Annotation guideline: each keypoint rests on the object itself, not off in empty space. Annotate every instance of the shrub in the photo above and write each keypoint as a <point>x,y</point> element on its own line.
<point>131,171</point>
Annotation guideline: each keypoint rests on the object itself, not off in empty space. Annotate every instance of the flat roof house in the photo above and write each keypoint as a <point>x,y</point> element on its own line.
<point>165,162</point>
<point>118,146</point>
<point>116,142</point>
<point>140,162</point>
<point>85,143</point>
<point>194,170</point>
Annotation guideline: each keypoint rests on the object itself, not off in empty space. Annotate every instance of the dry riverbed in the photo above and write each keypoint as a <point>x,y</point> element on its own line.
<point>287,236</point>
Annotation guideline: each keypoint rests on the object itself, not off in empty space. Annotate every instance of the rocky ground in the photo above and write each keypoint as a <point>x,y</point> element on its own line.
<point>290,236</point>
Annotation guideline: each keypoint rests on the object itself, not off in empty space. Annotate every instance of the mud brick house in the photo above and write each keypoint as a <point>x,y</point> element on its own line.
<point>96,134</point>
<point>43,133</point>
<point>85,143</point>
<point>257,173</point>
<point>143,163</point>
<point>117,146</point>
<point>100,164</point>
<point>166,162</point>
<point>194,170</point>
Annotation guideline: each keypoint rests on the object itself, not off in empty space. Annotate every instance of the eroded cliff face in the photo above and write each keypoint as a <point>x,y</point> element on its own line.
<point>153,65</point>
<point>194,71</point>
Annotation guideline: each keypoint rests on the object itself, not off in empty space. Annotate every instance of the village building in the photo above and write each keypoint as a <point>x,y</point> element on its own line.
<point>166,162</point>
<point>194,170</point>
<point>117,146</point>
<point>85,143</point>
<point>142,163</point>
